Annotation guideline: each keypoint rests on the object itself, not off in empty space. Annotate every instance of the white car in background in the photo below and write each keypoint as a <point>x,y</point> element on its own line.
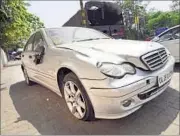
<point>171,40</point>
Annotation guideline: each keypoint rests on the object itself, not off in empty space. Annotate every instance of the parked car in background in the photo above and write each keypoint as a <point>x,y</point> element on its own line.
<point>160,30</point>
<point>171,40</point>
<point>17,55</point>
<point>98,76</point>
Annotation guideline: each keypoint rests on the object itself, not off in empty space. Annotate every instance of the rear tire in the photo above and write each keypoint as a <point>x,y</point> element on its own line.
<point>77,99</point>
<point>27,80</point>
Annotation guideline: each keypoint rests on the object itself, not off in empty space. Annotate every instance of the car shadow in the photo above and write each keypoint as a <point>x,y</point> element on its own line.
<point>48,113</point>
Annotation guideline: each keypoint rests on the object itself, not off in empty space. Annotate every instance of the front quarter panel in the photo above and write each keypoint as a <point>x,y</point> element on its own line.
<point>83,66</point>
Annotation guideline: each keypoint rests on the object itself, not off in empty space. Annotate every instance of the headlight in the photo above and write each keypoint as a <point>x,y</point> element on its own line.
<point>116,71</point>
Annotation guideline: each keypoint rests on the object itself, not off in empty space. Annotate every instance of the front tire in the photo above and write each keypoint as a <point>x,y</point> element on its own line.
<point>76,98</point>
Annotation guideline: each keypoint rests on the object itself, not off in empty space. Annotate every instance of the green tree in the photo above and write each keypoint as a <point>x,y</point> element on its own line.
<point>162,19</point>
<point>131,10</point>
<point>21,24</point>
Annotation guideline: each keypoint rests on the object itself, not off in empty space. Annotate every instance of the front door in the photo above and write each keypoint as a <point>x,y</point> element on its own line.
<point>44,71</point>
<point>27,57</point>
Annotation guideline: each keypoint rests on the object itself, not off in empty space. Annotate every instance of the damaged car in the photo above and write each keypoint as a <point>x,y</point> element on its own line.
<point>98,76</point>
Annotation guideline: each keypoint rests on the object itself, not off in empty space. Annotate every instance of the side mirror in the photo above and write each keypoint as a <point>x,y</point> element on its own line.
<point>39,55</point>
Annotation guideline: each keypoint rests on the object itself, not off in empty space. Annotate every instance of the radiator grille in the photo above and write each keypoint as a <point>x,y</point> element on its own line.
<point>155,59</point>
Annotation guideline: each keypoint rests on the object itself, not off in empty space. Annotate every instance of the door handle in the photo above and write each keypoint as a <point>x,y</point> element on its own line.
<point>30,56</point>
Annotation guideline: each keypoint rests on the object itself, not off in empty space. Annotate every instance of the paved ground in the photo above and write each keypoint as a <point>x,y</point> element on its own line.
<point>37,110</point>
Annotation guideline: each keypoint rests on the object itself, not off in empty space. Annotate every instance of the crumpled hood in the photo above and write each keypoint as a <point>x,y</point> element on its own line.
<point>114,47</point>
<point>124,47</point>
<point>114,51</point>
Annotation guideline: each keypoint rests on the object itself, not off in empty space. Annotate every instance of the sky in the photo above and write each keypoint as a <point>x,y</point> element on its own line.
<point>56,13</point>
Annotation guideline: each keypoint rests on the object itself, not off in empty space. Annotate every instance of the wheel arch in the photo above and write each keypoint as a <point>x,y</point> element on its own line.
<point>61,73</point>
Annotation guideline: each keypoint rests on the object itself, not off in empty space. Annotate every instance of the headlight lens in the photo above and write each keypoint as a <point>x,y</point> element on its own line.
<point>116,71</point>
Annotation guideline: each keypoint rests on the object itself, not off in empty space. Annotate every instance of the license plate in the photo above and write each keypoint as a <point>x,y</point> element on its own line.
<point>163,78</point>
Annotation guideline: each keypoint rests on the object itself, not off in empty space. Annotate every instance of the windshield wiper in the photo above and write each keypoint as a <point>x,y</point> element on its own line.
<point>90,39</point>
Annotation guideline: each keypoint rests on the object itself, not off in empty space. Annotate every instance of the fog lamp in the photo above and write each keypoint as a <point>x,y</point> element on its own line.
<point>126,103</point>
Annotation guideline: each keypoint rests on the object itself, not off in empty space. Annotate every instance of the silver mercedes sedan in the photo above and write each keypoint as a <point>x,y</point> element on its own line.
<point>98,76</point>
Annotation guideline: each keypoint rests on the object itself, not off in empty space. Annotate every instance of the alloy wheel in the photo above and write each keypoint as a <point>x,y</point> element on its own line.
<point>74,99</point>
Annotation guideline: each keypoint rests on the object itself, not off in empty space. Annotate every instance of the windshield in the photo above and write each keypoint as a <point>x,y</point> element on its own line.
<point>74,34</point>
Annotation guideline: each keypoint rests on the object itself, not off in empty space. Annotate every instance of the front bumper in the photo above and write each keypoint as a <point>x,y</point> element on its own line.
<point>139,89</point>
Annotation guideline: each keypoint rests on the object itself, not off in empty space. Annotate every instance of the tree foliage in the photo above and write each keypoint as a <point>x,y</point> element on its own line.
<point>158,19</point>
<point>133,9</point>
<point>18,23</point>
<point>153,19</point>
<point>134,16</point>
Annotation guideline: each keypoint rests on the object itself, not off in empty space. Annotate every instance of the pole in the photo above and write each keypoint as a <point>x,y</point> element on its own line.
<point>83,14</point>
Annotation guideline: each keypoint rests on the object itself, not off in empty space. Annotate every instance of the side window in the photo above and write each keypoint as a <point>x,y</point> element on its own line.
<point>38,41</point>
<point>29,44</point>
<point>176,33</point>
<point>166,36</point>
